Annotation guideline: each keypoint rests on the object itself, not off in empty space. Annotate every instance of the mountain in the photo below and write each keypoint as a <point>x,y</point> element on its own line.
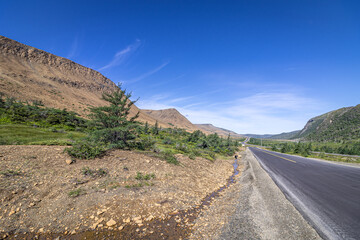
<point>339,125</point>
<point>28,74</point>
<point>172,117</point>
<point>285,135</point>
<point>31,74</point>
<point>259,135</point>
<point>220,131</point>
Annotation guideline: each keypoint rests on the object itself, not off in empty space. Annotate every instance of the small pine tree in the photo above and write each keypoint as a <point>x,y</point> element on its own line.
<point>155,129</point>
<point>146,128</point>
<point>228,141</point>
<point>112,122</point>
<point>2,102</point>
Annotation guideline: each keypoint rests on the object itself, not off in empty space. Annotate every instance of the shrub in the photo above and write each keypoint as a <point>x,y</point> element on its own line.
<point>169,157</point>
<point>145,143</point>
<point>168,141</point>
<point>86,149</point>
<point>140,176</point>
<point>192,156</point>
<point>182,147</point>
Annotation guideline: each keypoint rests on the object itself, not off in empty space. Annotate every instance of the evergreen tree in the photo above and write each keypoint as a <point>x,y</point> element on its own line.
<point>146,128</point>
<point>155,129</point>
<point>112,121</point>
<point>228,141</point>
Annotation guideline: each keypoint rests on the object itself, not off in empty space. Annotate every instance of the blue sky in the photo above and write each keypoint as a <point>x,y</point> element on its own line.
<point>249,66</point>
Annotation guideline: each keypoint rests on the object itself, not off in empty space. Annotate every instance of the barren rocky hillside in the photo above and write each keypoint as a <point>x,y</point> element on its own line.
<point>220,131</point>
<point>172,117</point>
<point>28,74</point>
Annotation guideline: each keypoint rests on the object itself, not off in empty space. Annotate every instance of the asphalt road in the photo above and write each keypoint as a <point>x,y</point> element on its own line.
<point>327,194</point>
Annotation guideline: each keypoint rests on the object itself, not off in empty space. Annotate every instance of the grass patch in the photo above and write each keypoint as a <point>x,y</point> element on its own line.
<point>140,176</point>
<point>18,134</point>
<point>76,192</point>
<point>86,171</point>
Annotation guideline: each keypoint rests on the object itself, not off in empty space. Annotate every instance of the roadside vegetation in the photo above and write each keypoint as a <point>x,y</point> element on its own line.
<point>109,127</point>
<point>34,124</point>
<point>323,150</point>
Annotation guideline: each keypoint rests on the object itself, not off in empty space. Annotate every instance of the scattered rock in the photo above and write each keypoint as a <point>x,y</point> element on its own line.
<point>69,161</point>
<point>12,212</point>
<point>110,223</point>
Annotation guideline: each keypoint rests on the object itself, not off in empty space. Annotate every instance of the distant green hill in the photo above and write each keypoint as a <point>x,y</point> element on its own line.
<point>286,135</point>
<point>339,125</point>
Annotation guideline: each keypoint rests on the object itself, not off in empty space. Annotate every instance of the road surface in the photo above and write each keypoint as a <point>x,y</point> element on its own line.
<point>327,194</point>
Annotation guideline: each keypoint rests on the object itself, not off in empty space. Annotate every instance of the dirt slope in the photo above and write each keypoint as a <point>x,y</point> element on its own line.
<point>41,194</point>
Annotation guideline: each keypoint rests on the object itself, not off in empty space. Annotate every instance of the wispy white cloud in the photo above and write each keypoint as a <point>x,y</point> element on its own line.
<point>74,48</point>
<point>263,112</point>
<point>121,55</point>
<point>147,74</point>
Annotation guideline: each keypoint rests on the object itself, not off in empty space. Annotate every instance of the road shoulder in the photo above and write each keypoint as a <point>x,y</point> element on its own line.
<point>262,210</point>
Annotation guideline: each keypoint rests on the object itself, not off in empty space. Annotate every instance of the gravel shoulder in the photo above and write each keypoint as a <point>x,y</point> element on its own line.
<point>252,208</point>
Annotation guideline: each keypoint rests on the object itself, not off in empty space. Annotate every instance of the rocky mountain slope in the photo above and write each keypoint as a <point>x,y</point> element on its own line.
<point>220,131</point>
<point>28,74</point>
<point>172,117</point>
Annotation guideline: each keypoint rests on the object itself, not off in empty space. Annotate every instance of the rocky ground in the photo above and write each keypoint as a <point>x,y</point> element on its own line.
<point>140,197</point>
<point>121,195</point>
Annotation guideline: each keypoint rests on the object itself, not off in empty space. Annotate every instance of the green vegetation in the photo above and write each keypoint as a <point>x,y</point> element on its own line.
<point>86,171</point>
<point>31,123</point>
<point>76,192</point>
<point>141,176</point>
<point>112,123</point>
<point>110,127</point>
<point>20,134</point>
<point>339,126</point>
<point>87,149</point>
<point>314,149</point>
<point>113,128</point>
<point>34,114</point>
